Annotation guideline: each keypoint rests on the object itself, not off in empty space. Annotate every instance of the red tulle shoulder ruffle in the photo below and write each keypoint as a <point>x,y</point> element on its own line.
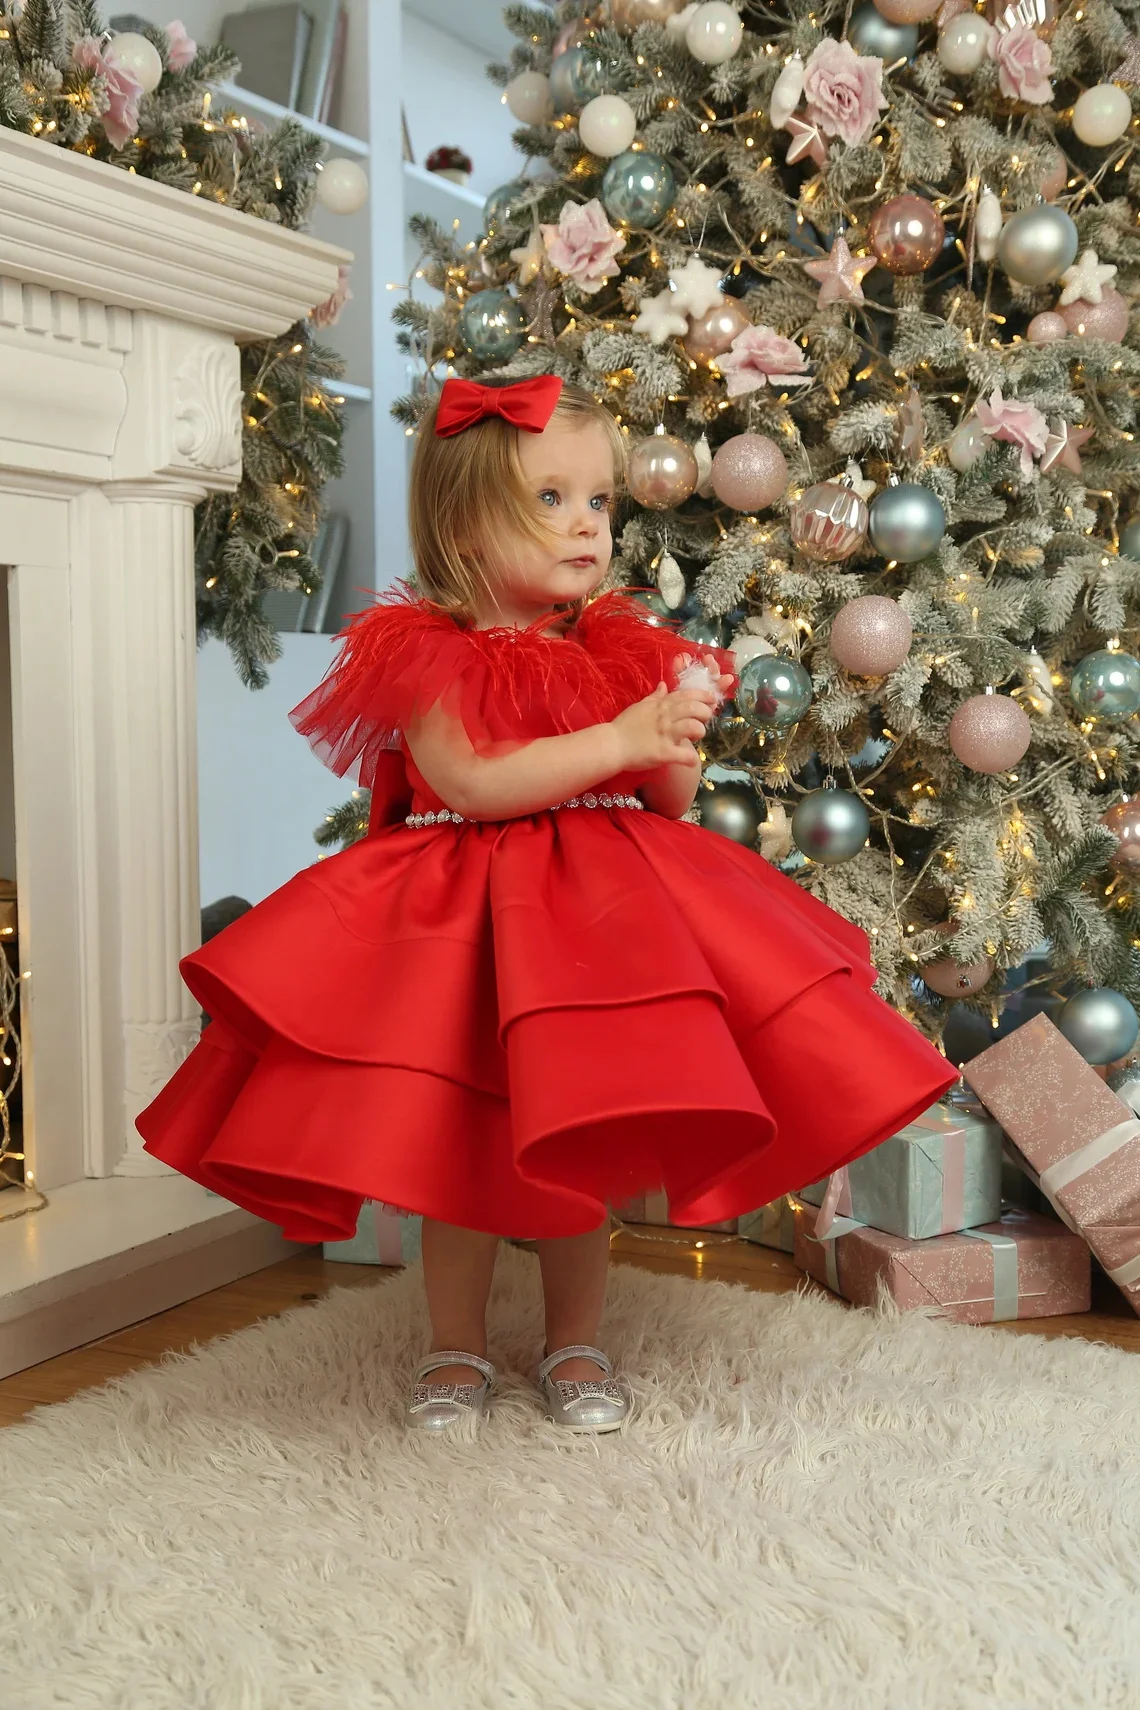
<point>403,655</point>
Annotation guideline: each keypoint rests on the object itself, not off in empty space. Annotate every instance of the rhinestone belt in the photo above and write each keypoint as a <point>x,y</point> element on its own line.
<point>445,815</point>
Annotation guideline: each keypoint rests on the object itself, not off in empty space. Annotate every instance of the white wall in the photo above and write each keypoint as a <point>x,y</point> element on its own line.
<point>449,102</point>
<point>261,790</point>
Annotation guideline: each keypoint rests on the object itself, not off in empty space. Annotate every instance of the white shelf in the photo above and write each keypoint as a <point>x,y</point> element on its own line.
<point>438,196</point>
<point>345,389</point>
<point>245,98</point>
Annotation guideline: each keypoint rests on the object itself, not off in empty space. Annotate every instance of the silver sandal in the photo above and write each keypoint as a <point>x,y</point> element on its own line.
<point>588,1404</point>
<point>435,1406</point>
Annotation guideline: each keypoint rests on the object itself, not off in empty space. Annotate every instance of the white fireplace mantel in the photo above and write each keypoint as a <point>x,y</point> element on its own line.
<point>120,304</point>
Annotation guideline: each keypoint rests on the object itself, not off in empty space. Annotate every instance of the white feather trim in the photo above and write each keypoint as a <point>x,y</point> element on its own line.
<point>698,675</point>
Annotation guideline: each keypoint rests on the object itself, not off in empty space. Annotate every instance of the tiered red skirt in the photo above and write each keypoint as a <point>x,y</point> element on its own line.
<point>512,1026</point>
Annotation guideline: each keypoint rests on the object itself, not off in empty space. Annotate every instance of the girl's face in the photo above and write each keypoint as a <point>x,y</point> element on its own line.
<point>568,468</point>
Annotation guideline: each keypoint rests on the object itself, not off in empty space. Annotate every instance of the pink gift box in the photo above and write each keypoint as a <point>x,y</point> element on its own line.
<point>1079,1142</point>
<point>1022,1266</point>
<point>654,1208</point>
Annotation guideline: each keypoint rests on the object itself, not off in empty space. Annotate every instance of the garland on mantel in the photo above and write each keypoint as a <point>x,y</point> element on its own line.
<point>58,82</point>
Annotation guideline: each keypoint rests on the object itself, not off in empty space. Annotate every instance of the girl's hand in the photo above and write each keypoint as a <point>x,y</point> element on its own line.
<point>662,728</point>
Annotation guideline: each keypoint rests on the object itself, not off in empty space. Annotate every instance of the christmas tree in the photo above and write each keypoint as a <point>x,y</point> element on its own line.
<point>855,283</point>
<point>144,100</point>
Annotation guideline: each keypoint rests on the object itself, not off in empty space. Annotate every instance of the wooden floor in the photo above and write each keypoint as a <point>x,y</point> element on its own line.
<point>268,1292</point>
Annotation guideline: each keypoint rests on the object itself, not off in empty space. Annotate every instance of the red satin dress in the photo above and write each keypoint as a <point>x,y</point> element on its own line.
<point>510,1025</point>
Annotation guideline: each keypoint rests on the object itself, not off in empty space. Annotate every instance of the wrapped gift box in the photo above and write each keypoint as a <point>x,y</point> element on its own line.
<point>654,1208</point>
<point>773,1225</point>
<point>383,1236</point>
<point>940,1173</point>
<point>1019,1266</point>
<point>1078,1141</point>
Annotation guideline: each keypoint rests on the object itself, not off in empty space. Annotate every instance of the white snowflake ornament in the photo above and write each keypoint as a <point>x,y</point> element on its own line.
<point>1084,280</point>
<point>858,482</point>
<point>696,287</point>
<point>660,318</point>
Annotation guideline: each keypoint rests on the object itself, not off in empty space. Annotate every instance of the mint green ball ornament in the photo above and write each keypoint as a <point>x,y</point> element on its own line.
<point>492,325</point>
<point>638,188</point>
<point>1106,685</point>
<point>774,693</point>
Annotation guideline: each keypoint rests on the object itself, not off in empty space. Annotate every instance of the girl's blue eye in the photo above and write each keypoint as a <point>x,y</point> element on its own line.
<point>549,496</point>
<point>600,502</point>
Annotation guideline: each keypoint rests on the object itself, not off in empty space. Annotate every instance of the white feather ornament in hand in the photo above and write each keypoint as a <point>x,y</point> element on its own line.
<point>701,677</point>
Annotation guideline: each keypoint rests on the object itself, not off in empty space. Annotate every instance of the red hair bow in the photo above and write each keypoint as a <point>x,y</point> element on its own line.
<point>526,404</point>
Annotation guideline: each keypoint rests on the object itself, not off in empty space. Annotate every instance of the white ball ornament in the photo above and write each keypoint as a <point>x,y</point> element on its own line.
<point>607,125</point>
<point>139,58</point>
<point>962,44</point>
<point>529,98</point>
<point>714,33</point>
<point>1101,114</point>
<point>342,186</point>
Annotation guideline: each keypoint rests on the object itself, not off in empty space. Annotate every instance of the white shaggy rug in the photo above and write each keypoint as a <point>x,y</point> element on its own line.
<point>812,1507</point>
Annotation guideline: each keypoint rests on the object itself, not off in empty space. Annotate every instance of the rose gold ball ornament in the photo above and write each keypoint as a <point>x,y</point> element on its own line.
<point>1107,319</point>
<point>1124,821</point>
<point>709,336</point>
<point>662,472</point>
<point>953,979</point>
<point>627,14</point>
<point>1047,328</point>
<point>749,472</point>
<point>870,635</point>
<point>990,733</point>
<point>907,11</point>
<point>1056,176</point>
<point>906,234</point>
<point>828,522</point>
<point>1037,15</point>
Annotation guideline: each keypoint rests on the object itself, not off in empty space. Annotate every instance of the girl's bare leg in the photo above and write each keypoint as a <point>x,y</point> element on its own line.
<point>574,1272</point>
<point>459,1265</point>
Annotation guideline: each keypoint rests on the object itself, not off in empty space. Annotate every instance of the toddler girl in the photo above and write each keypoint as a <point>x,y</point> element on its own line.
<point>533,990</point>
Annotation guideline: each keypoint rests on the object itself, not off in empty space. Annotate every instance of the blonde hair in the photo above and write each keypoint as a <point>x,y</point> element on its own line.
<point>467,489</point>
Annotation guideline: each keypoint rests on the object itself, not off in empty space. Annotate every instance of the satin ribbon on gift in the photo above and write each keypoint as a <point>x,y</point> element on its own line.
<point>1006,1293</point>
<point>837,1198</point>
<point>1066,1171</point>
<point>526,404</point>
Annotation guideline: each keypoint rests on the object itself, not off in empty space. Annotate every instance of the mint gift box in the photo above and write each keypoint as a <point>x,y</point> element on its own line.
<point>941,1173</point>
<point>384,1236</point>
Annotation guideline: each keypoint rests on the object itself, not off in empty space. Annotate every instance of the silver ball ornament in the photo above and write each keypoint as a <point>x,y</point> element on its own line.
<point>1106,685</point>
<point>1037,245</point>
<point>830,826</point>
<point>1101,1024</point>
<point>638,188</point>
<point>774,693</point>
<point>870,635</point>
<point>1125,1083</point>
<point>1130,539</point>
<point>870,33</point>
<point>907,522</point>
<point>492,325</point>
<point>510,205</point>
<point>733,810</point>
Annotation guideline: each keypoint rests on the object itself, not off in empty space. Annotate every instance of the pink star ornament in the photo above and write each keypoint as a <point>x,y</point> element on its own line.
<point>806,139</point>
<point>840,274</point>
<point>1063,446</point>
